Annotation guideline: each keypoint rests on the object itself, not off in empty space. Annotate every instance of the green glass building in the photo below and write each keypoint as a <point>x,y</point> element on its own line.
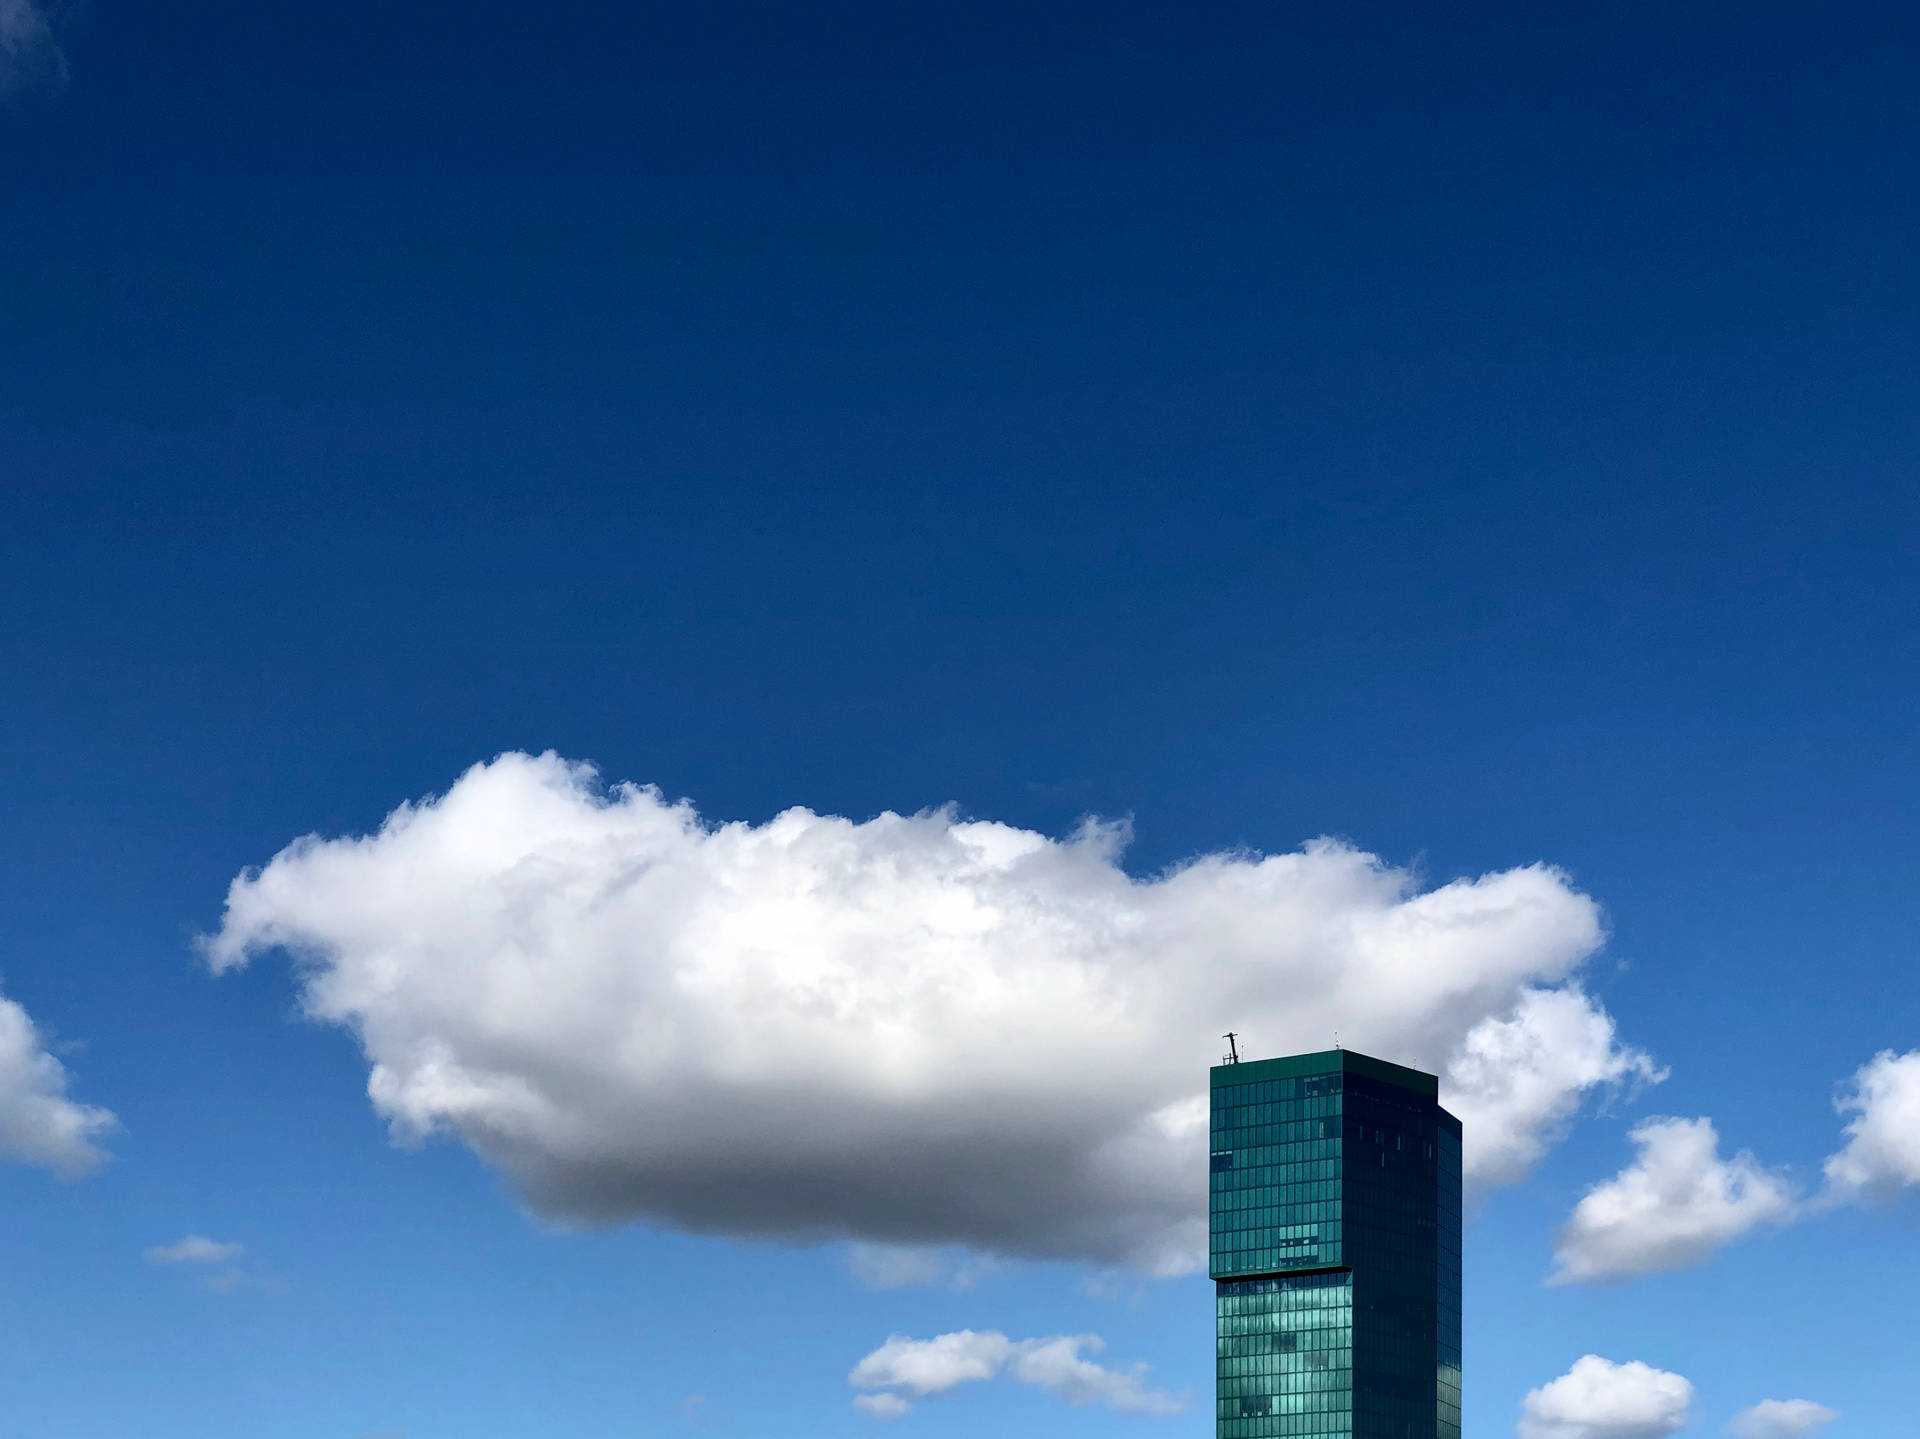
<point>1336,1251</point>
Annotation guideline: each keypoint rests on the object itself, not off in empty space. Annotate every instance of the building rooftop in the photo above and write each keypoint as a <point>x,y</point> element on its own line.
<point>1327,1061</point>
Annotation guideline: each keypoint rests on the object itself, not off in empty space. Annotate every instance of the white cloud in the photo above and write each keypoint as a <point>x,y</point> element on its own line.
<point>1781,1419</point>
<point>933,1366</point>
<point>194,1249</point>
<point>1679,1200</point>
<point>38,1123</point>
<point>899,1266</point>
<point>1059,1365</point>
<point>1673,1206</point>
<point>1516,1082</point>
<point>28,54</point>
<point>1598,1399</point>
<point>1882,1153</point>
<point>913,1030</point>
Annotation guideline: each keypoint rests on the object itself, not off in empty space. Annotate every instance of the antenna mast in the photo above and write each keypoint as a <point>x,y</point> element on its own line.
<point>1233,1047</point>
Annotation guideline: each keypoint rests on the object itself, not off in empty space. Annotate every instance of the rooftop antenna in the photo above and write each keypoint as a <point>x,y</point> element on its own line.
<point>1336,1039</point>
<point>1233,1047</point>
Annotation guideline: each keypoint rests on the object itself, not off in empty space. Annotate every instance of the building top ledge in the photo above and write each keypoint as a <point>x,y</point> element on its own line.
<point>1327,1061</point>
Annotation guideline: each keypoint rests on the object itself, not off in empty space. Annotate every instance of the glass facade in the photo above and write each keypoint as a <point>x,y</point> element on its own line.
<point>1335,1251</point>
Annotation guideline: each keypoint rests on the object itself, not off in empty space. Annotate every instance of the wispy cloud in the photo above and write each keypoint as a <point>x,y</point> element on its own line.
<point>194,1249</point>
<point>29,56</point>
<point>1781,1419</point>
<point>218,1256</point>
<point>902,1266</point>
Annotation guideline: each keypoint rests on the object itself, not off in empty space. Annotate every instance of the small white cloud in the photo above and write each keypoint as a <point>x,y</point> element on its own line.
<point>1882,1153</point>
<point>1598,1399</point>
<point>933,1366</point>
<point>1058,1365</point>
<point>912,1030</point>
<point>39,1124</point>
<point>194,1249</point>
<point>1673,1206</point>
<point>1781,1419</point>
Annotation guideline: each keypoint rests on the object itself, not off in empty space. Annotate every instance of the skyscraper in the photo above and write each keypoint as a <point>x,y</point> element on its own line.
<point>1336,1251</point>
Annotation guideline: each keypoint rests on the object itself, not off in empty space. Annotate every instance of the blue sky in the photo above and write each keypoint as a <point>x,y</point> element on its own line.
<point>1485,440</point>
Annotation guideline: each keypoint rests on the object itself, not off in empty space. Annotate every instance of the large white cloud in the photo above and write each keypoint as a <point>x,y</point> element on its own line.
<point>1059,1364</point>
<point>1599,1399</point>
<point>1781,1419</point>
<point>39,1124</point>
<point>1882,1152</point>
<point>1673,1206</point>
<point>908,1030</point>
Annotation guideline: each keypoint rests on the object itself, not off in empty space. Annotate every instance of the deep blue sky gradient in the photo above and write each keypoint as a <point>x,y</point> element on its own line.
<point>1488,437</point>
